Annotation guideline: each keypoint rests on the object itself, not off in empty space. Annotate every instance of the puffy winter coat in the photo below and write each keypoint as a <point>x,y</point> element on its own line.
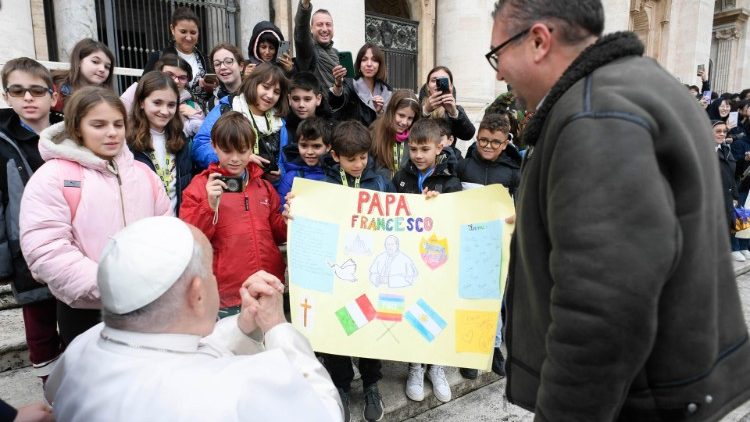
<point>506,169</point>
<point>442,180</point>
<point>247,232</point>
<point>64,253</point>
<point>296,167</point>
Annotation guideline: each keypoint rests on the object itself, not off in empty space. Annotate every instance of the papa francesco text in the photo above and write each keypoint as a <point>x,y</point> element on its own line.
<point>387,212</point>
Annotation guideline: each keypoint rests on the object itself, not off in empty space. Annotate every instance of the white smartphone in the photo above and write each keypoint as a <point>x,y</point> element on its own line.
<point>283,49</point>
<point>732,119</point>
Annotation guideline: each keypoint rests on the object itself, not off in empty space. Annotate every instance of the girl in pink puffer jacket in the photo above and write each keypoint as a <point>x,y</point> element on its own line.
<point>89,188</point>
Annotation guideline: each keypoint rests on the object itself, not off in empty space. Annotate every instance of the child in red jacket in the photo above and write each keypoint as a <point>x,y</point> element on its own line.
<point>237,210</point>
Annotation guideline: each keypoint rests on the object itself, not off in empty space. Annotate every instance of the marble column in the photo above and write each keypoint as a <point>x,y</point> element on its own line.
<point>726,39</point>
<point>689,35</point>
<point>251,12</point>
<point>74,20</point>
<point>463,36</point>
<point>18,35</point>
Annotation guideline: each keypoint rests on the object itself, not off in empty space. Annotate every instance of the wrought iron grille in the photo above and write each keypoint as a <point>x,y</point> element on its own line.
<point>399,40</point>
<point>134,28</point>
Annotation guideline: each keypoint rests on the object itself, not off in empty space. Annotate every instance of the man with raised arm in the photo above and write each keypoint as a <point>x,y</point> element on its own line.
<point>313,39</point>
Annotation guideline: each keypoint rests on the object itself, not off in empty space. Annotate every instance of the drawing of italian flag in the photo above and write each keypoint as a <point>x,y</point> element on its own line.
<point>425,320</point>
<point>356,314</point>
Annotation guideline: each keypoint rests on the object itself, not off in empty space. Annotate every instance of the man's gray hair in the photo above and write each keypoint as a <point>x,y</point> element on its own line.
<point>579,19</point>
<point>167,307</point>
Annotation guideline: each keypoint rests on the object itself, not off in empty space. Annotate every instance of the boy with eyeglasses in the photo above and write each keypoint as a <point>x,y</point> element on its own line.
<point>491,159</point>
<point>28,89</point>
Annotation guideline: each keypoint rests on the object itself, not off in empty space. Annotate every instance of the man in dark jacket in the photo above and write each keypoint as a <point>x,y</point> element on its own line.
<point>621,299</point>
<point>313,38</point>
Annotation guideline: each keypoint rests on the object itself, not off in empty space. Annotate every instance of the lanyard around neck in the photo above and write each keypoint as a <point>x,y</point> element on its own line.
<point>269,124</point>
<point>346,182</point>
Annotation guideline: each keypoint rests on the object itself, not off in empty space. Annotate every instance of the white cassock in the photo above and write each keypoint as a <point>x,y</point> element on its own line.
<point>114,375</point>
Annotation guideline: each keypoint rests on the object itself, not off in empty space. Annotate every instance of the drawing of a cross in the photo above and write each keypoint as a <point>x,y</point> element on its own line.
<point>305,306</point>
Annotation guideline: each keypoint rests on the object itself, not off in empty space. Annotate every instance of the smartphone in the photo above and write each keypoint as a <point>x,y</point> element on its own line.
<point>442,85</point>
<point>345,59</point>
<point>732,119</point>
<point>211,78</point>
<point>283,49</point>
<point>701,69</point>
<point>707,95</point>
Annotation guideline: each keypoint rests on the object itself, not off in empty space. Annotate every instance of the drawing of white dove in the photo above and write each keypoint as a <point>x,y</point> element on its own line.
<point>347,271</point>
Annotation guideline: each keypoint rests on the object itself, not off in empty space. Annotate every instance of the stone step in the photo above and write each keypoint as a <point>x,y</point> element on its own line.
<point>13,351</point>
<point>7,301</point>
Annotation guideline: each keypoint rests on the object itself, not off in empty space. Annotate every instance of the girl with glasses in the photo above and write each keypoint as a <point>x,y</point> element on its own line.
<point>227,62</point>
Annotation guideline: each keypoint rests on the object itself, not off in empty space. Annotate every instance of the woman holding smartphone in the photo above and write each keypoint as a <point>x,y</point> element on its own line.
<point>438,97</point>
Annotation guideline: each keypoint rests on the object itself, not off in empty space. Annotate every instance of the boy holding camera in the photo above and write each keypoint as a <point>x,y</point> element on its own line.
<point>237,210</point>
<point>305,157</point>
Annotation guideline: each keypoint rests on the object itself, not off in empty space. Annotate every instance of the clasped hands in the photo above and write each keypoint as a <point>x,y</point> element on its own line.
<point>262,303</point>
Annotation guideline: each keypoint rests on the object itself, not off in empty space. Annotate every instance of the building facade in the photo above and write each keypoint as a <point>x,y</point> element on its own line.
<point>416,34</point>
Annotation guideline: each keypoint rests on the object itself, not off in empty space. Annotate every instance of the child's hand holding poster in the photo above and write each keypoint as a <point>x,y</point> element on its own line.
<point>397,276</point>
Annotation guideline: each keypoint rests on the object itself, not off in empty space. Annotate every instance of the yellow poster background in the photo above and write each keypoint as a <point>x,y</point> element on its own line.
<point>330,265</point>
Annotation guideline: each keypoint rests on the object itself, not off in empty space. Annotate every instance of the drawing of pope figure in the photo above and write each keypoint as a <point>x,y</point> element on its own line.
<point>392,267</point>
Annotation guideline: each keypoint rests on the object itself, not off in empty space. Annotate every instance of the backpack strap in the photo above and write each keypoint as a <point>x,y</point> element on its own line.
<point>71,174</point>
<point>223,108</point>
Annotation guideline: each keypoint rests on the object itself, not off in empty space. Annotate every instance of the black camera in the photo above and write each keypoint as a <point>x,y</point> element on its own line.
<point>234,184</point>
<point>442,85</point>
<point>268,148</point>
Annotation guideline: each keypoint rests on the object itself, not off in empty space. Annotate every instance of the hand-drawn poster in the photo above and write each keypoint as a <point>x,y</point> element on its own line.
<point>396,276</point>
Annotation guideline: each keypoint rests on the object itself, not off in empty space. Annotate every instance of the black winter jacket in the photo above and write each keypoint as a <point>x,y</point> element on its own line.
<point>442,180</point>
<point>19,159</point>
<point>349,106</point>
<point>372,178</point>
<point>621,301</point>
<point>727,165</point>
<point>506,169</point>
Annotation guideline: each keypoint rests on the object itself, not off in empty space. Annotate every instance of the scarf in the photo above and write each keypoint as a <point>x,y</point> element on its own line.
<point>401,137</point>
<point>606,50</point>
<point>328,58</point>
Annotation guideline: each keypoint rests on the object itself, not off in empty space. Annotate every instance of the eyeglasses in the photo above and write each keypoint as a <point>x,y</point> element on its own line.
<point>226,62</point>
<point>492,55</point>
<point>34,90</point>
<point>483,142</point>
<point>182,78</point>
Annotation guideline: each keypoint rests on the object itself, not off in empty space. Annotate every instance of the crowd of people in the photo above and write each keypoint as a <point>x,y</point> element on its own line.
<point>610,186</point>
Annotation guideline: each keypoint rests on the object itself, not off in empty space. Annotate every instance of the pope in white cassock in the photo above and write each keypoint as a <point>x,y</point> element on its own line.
<point>161,355</point>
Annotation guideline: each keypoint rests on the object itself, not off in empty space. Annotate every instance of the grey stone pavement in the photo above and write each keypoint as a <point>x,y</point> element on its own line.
<point>476,401</point>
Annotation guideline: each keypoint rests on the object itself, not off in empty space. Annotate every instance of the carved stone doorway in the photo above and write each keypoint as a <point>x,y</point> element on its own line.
<point>388,25</point>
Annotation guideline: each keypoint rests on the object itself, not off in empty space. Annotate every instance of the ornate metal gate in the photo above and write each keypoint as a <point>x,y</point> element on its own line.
<point>134,28</point>
<point>398,39</point>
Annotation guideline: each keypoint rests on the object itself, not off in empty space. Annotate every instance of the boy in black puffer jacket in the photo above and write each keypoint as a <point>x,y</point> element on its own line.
<point>492,159</point>
<point>428,171</point>
<point>429,166</point>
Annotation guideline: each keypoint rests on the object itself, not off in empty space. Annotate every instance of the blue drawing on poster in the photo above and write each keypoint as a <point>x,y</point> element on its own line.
<point>314,244</point>
<point>480,257</point>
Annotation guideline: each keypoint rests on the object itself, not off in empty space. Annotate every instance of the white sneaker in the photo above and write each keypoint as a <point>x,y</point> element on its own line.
<point>745,253</point>
<point>440,385</point>
<point>738,256</point>
<point>415,382</point>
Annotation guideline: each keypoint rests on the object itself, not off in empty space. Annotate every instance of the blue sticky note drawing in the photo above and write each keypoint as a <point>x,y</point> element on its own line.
<point>479,260</point>
<point>314,244</point>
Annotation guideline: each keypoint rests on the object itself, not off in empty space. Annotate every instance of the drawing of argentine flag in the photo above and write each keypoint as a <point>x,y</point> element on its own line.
<point>425,320</point>
<point>356,314</point>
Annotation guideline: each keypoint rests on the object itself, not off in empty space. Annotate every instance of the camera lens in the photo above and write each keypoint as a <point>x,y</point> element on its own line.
<point>233,185</point>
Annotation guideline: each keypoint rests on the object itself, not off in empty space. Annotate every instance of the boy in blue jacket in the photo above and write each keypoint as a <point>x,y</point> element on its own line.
<point>305,157</point>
